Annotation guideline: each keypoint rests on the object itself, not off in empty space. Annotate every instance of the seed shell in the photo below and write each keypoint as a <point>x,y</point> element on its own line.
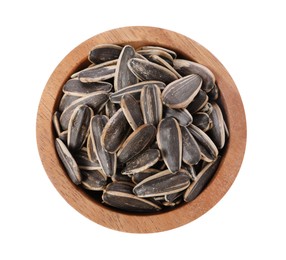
<point>95,74</point>
<point>65,101</point>
<point>201,181</point>
<point>138,141</point>
<point>140,176</point>
<point>75,87</point>
<point>169,139</point>
<point>180,93</point>
<point>106,160</point>
<point>134,90</point>
<point>217,132</point>
<point>151,104</point>
<point>162,183</point>
<point>78,127</point>
<point>142,161</point>
<point>209,151</point>
<point>132,111</point>
<point>199,102</point>
<point>115,132</point>
<point>183,116</point>
<point>146,70</point>
<point>203,121</point>
<point>84,163</point>
<point>123,76</point>
<point>149,47</point>
<point>191,151</point>
<point>96,101</point>
<point>104,52</point>
<point>93,180</point>
<point>119,195</point>
<point>186,67</point>
<point>68,162</point>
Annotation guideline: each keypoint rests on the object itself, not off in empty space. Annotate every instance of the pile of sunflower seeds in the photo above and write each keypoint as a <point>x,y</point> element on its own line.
<point>142,128</point>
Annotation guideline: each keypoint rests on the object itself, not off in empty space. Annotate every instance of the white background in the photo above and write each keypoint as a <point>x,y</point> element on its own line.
<point>248,37</point>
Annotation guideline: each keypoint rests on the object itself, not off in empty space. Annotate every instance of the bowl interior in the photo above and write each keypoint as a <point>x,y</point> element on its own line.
<point>83,201</point>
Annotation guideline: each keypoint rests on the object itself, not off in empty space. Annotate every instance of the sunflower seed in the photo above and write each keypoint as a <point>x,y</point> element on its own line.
<point>96,101</point>
<point>65,101</point>
<point>138,141</point>
<point>191,151</point>
<point>78,127</point>
<point>134,90</point>
<point>132,111</point>
<point>183,116</point>
<point>207,108</point>
<point>93,180</point>
<point>89,149</point>
<point>142,161</point>
<point>169,140</point>
<point>115,132</point>
<point>209,151</point>
<point>104,52</point>
<point>146,70</point>
<point>162,183</point>
<point>203,121</point>
<point>56,122</point>
<point>186,67</point>
<point>173,196</point>
<point>172,53</point>
<point>106,160</point>
<point>150,53</point>
<point>140,176</point>
<point>201,180</point>
<point>151,104</point>
<point>64,136</point>
<point>119,195</point>
<point>217,132</point>
<point>95,74</point>
<point>159,60</point>
<point>123,76</point>
<point>104,64</point>
<point>180,93</point>
<point>214,93</point>
<point>190,170</point>
<point>68,162</point>
<point>120,177</point>
<point>198,103</point>
<point>110,109</point>
<point>83,162</point>
<point>75,87</point>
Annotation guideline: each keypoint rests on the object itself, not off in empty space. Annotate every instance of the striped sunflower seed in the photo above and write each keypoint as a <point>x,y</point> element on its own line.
<point>106,160</point>
<point>75,87</point>
<point>169,139</point>
<point>104,52</point>
<point>96,101</point>
<point>199,102</point>
<point>217,132</point>
<point>203,121</point>
<point>120,195</point>
<point>142,161</point>
<point>134,90</point>
<point>151,104</point>
<point>180,93</point>
<point>78,127</point>
<point>191,151</point>
<point>162,183</point>
<point>138,141</point>
<point>115,132</point>
<point>123,76</point>
<point>147,70</point>
<point>93,180</point>
<point>95,74</point>
<point>183,116</point>
<point>202,179</point>
<point>132,111</point>
<point>68,161</point>
<point>186,67</point>
<point>209,151</point>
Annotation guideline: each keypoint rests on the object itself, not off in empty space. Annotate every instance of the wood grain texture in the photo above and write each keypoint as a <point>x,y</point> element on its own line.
<point>228,169</point>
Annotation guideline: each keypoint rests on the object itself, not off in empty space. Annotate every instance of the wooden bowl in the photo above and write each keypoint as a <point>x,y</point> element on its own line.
<point>77,198</point>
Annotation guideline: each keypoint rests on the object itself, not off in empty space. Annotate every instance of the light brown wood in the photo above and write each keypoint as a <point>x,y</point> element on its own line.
<point>220,184</point>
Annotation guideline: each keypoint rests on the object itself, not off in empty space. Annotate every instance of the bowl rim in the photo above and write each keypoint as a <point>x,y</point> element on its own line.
<point>136,223</point>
